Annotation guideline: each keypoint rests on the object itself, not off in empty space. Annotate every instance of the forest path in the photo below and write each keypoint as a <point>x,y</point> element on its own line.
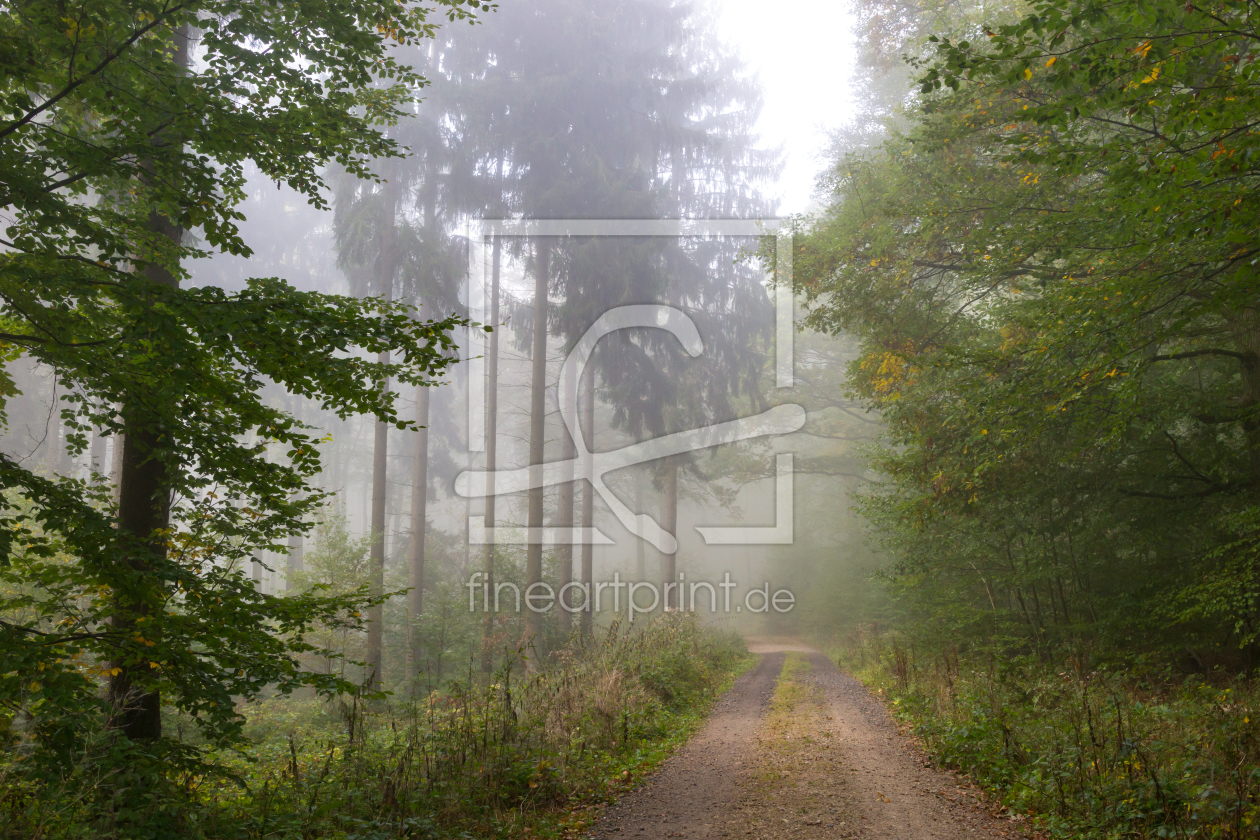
<point>819,758</point>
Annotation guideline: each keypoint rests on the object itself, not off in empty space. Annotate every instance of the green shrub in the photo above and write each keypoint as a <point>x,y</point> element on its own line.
<point>1089,753</point>
<point>479,758</point>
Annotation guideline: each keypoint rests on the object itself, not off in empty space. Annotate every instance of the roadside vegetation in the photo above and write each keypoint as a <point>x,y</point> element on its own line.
<point>1045,248</point>
<point>1083,749</point>
<point>526,754</point>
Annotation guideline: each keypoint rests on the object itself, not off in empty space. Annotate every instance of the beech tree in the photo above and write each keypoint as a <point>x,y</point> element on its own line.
<point>1051,274</point>
<point>122,125</point>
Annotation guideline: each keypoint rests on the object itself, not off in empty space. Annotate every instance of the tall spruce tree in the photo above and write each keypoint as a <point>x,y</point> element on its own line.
<point>634,110</point>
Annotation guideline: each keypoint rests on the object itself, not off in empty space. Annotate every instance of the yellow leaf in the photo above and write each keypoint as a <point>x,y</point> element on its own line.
<point>1027,72</point>
<point>1052,60</point>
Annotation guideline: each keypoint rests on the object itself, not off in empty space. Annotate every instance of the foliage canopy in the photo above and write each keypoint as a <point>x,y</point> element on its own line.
<point>124,129</point>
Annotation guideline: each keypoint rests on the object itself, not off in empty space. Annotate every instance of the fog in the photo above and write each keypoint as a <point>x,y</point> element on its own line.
<point>575,418</point>
<point>745,141</point>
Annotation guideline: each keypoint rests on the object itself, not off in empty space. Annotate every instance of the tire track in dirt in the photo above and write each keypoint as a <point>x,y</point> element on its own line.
<point>829,762</point>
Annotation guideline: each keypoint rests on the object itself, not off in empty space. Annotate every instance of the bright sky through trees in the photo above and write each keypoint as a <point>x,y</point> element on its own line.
<point>805,72</point>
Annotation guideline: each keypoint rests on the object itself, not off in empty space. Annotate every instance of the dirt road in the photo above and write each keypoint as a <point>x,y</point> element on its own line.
<point>809,755</point>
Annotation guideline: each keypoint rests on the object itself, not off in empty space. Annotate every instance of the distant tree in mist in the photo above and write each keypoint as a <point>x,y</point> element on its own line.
<point>626,111</point>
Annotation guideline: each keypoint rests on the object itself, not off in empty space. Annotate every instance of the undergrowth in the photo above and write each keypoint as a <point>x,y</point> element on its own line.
<point>1085,752</point>
<point>517,755</point>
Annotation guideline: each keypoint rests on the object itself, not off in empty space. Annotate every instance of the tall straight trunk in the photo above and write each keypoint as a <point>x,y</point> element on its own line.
<point>565,520</point>
<point>640,562</point>
<point>256,568</point>
<point>537,446</point>
<point>294,560</point>
<point>96,455</point>
<point>1246,328</point>
<point>419,526</point>
<point>588,497</point>
<point>144,510</point>
<point>492,435</point>
<point>466,569</point>
<point>52,438</point>
<point>115,465</point>
<point>669,521</point>
<point>57,459</point>
<point>380,459</point>
<point>420,471</point>
<point>376,567</point>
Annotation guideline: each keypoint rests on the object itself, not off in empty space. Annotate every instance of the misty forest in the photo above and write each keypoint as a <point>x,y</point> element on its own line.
<point>454,419</point>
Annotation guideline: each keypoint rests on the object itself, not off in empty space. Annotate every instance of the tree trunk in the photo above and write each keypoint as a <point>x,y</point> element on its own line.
<point>376,568</point>
<point>295,562</point>
<point>115,465</point>
<point>669,521</point>
<point>144,491</point>
<point>376,574</point>
<point>1246,329</point>
<point>537,445</point>
<point>96,456</point>
<point>52,438</point>
<point>565,521</point>
<point>640,562</point>
<point>492,433</point>
<point>420,467</point>
<point>143,510</point>
<point>419,525</point>
<point>588,498</point>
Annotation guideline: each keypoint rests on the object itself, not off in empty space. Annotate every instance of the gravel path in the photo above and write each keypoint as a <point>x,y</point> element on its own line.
<point>691,793</point>
<point>841,770</point>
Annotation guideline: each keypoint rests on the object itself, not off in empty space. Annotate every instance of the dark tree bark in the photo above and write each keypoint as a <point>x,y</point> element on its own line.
<point>144,511</point>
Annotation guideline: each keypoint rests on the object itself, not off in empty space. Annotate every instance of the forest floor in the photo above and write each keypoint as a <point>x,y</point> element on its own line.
<point>797,749</point>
